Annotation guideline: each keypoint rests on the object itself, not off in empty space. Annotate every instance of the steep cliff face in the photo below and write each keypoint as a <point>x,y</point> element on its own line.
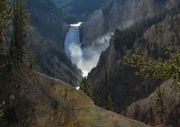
<point>160,108</point>
<point>46,38</point>
<point>51,59</point>
<point>159,36</point>
<point>124,85</point>
<point>47,19</point>
<point>34,99</point>
<point>79,10</point>
<point>120,13</point>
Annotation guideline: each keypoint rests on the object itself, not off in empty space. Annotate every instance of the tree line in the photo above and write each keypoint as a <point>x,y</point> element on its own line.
<point>13,32</point>
<point>161,68</point>
<point>125,38</point>
<point>13,36</point>
<point>87,88</point>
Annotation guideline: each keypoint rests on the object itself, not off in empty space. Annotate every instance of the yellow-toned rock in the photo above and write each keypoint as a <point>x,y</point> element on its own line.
<point>41,101</point>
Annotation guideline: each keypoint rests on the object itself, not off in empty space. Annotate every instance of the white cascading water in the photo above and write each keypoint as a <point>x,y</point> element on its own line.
<point>87,58</point>
<point>72,44</point>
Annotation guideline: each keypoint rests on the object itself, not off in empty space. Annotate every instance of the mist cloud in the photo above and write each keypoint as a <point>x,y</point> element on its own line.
<point>86,58</point>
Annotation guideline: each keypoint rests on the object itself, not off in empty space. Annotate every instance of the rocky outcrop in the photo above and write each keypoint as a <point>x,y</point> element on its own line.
<point>34,99</point>
<point>122,14</point>
<point>125,87</point>
<point>160,108</point>
<point>160,36</point>
<point>46,39</point>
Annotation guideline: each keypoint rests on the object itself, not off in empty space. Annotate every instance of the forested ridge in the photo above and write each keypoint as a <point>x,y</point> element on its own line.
<point>139,59</point>
<point>13,41</point>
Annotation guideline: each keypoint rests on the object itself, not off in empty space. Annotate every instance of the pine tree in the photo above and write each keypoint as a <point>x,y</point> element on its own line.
<point>1,110</point>
<point>107,78</point>
<point>29,59</point>
<point>18,41</point>
<point>161,69</point>
<point>5,13</point>
<point>110,103</point>
<point>86,87</point>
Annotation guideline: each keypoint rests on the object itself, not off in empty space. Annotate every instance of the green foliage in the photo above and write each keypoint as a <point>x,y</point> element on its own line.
<point>160,108</point>
<point>158,94</point>
<point>157,68</point>
<point>109,103</point>
<point>124,39</point>
<point>18,41</point>
<point>30,59</point>
<point>1,110</point>
<point>71,82</point>
<point>86,87</point>
<point>15,17</point>
<point>1,113</point>
<point>5,13</point>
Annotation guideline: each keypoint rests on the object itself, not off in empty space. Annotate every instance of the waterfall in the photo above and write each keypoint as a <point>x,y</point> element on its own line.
<point>87,58</point>
<point>72,44</point>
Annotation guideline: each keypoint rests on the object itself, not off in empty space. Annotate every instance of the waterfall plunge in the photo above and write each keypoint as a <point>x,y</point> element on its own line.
<point>86,58</point>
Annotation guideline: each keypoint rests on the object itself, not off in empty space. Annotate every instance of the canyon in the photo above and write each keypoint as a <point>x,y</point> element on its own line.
<point>84,49</point>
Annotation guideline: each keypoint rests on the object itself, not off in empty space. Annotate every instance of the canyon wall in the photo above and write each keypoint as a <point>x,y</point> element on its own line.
<point>46,39</point>
<point>124,85</point>
<point>122,14</point>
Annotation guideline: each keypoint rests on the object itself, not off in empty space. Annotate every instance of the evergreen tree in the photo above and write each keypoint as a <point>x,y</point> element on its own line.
<point>18,41</point>
<point>5,13</point>
<point>109,103</point>
<point>30,59</point>
<point>162,69</point>
<point>107,78</point>
<point>71,82</point>
<point>106,84</point>
<point>1,110</point>
<point>86,87</point>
